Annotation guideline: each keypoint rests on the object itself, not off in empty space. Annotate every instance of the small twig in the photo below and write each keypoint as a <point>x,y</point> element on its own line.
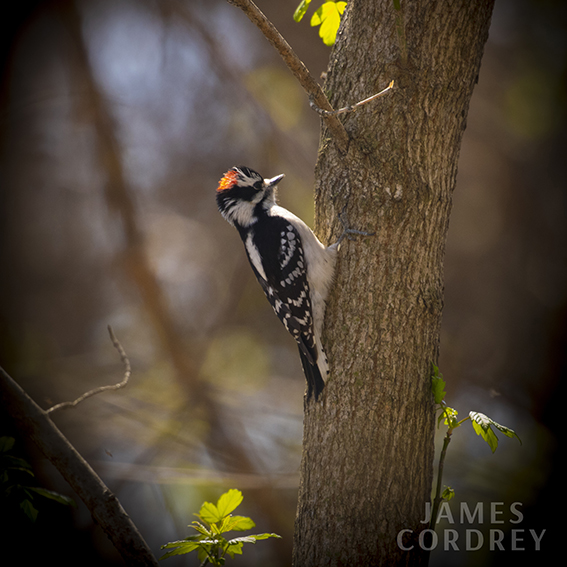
<point>352,107</point>
<point>347,231</point>
<point>95,391</point>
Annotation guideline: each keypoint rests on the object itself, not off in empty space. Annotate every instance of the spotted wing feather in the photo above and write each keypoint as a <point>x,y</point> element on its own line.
<point>287,290</point>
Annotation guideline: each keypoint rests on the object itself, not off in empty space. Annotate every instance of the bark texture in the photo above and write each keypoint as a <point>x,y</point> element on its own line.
<point>368,453</point>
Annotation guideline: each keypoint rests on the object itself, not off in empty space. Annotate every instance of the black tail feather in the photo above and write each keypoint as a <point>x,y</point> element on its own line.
<point>315,382</point>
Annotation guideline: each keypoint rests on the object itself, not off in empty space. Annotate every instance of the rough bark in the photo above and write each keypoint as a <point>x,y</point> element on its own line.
<point>368,449</point>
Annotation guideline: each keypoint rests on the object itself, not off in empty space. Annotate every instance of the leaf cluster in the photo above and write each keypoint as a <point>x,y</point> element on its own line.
<point>215,520</point>
<point>16,483</point>
<point>327,16</point>
<point>482,424</point>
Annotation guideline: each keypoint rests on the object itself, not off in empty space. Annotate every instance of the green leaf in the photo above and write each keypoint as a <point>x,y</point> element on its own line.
<point>201,529</point>
<point>450,416</point>
<point>179,548</point>
<point>234,548</point>
<point>448,493</point>
<point>300,10</point>
<point>210,545</point>
<point>210,513</point>
<point>229,501</point>
<point>195,537</point>
<point>29,509</point>
<point>328,16</point>
<point>438,385</point>
<point>237,523</point>
<point>252,538</point>
<point>53,496</point>
<point>266,536</point>
<point>482,424</point>
<point>180,543</point>
<point>17,464</point>
<point>6,444</point>
<point>202,555</point>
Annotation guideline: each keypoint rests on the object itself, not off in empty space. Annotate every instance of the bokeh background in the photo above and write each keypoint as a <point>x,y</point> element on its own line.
<point>118,117</point>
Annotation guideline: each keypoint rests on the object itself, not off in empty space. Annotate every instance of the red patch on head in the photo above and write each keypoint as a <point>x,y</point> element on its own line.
<point>229,180</point>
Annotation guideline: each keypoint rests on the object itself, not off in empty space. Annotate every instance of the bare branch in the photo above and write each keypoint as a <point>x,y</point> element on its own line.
<point>352,107</point>
<point>297,67</point>
<point>35,424</point>
<point>95,391</point>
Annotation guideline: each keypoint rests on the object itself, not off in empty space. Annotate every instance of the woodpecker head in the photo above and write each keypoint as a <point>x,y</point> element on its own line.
<point>241,190</point>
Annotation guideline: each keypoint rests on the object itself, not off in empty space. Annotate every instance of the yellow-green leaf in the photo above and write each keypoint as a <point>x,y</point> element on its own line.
<point>237,523</point>
<point>229,501</point>
<point>179,548</point>
<point>448,493</point>
<point>482,425</point>
<point>438,386</point>
<point>209,513</point>
<point>328,17</point>
<point>300,10</point>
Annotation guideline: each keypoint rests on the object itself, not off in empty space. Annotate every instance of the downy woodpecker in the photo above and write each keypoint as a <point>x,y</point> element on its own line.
<point>294,269</point>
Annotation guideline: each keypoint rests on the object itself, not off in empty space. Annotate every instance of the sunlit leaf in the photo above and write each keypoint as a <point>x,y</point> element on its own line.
<point>211,547</point>
<point>450,417</point>
<point>448,493</point>
<point>202,554</point>
<point>252,538</point>
<point>328,17</point>
<point>234,548</point>
<point>237,523</point>
<point>216,529</point>
<point>300,10</point>
<point>229,501</point>
<point>180,543</point>
<point>200,528</point>
<point>210,513</point>
<point>482,425</point>
<point>438,385</point>
<point>179,548</point>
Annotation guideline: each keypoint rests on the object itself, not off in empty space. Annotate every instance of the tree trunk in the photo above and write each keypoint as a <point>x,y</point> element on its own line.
<point>368,451</point>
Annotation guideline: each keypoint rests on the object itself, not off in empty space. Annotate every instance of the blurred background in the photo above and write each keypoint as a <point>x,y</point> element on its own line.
<point>117,120</point>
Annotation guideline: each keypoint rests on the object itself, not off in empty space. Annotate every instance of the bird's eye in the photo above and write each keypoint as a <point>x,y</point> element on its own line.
<point>258,184</point>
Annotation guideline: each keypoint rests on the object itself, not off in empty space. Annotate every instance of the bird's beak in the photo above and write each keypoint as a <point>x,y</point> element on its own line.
<point>274,180</point>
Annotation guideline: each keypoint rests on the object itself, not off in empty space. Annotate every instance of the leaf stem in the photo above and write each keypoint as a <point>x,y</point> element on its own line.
<point>437,500</point>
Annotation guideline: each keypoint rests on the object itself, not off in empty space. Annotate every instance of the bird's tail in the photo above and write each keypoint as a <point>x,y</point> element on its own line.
<point>315,381</point>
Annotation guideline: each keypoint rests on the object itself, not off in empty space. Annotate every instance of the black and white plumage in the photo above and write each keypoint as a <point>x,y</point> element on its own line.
<point>293,267</point>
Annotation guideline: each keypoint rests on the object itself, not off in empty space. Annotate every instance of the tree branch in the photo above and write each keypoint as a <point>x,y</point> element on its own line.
<point>95,391</point>
<point>351,107</point>
<point>298,68</point>
<point>105,508</point>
